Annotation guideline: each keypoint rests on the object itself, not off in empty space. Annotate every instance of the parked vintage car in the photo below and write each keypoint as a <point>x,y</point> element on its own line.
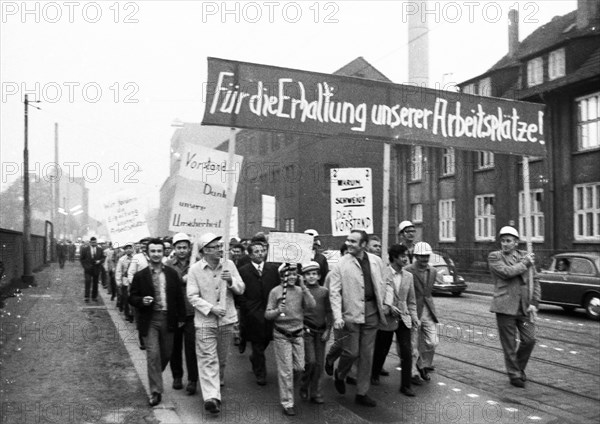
<point>448,280</point>
<point>573,281</point>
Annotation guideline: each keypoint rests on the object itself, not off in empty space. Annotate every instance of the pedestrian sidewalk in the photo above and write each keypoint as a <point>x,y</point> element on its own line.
<point>483,289</point>
<point>63,360</point>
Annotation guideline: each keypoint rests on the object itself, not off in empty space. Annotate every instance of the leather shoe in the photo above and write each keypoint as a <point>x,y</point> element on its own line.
<point>289,411</point>
<point>416,380</point>
<point>424,374</point>
<point>407,391</point>
<point>351,381</point>
<point>191,388</point>
<point>213,406</point>
<point>155,399</point>
<point>374,381</point>
<point>365,400</point>
<point>383,373</point>
<point>517,382</point>
<point>303,393</point>
<point>261,381</point>
<point>177,384</point>
<point>242,346</point>
<point>328,367</point>
<point>317,399</point>
<point>340,386</point>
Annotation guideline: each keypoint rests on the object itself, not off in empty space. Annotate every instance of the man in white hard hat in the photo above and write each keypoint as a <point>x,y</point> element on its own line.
<point>185,336</point>
<point>424,337</point>
<point>407,234</point>
<point>211,284</point>
<point>515,302</point>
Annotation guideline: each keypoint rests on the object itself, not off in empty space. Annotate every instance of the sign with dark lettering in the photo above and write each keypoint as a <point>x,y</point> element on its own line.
<point>351,200</point>
<point>248,95</point>
<point>200,200</point>
<point>125,217</point>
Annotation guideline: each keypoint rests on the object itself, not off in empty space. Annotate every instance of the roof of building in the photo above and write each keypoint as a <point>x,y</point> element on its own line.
<point>360,68</point>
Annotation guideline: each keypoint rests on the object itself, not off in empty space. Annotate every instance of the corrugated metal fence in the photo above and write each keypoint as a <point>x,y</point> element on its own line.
<point>11,254</point>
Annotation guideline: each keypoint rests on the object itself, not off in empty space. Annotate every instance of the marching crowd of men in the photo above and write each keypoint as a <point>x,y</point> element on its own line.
<point>190,302</point>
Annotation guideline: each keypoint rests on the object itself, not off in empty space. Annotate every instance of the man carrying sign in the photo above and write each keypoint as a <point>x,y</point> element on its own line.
<point>515,308</point>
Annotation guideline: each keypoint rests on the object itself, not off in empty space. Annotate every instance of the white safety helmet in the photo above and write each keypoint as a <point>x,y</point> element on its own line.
<point>508,230</point>
<point>181,237</point>
<point>403,225</point>
<point>422,248</point>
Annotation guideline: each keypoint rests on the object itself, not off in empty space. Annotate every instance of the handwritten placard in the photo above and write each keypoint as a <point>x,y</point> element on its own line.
<point>351,200</point>
<point>124,216</point>
<point>290,247</point>
<point>248,95</point>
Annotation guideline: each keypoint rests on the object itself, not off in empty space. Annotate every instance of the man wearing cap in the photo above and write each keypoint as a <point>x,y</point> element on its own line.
<point>407,234</point>
<point>91,258</point>
<point>357,291</point>
<point>515,303</point>
<point>186,334</point>
<point>123,282</point>
<point>424,338</point>
<point>156,292</point>
<point>211,285</point>
<point>317,256</point>
<point>259,278</point>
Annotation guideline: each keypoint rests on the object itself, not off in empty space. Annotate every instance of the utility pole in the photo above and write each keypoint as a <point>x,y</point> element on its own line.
<point>27,277</point>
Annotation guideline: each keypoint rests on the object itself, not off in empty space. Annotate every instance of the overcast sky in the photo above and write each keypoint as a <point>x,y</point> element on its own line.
<point>114,76</point>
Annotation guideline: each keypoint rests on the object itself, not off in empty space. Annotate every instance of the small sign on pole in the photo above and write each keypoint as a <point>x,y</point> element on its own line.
<point>351,200</point>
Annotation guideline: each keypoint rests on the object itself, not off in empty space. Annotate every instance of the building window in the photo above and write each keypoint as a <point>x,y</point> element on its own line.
<point>485,160</point>
<point>485,217</point>
<point>485,87</point>
<point>535,72</point>
<point>416,213</point>
<point>448,162</point>
<point>556,64</point>
<point>290,225</point>
<point>469,89</point>
<point>416,163</point>
<point>537,215</point>
<point>447,220</point>
<point>588,122</point>
<point>587,211</point>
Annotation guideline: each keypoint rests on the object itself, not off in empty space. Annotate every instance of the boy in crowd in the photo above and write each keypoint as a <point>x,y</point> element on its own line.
<point>286,305</point>
<point>317,328</point>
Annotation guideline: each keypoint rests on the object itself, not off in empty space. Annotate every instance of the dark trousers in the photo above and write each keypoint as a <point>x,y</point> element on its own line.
<point>103,279</point>
<point>516,358</point>
<point>257,358</point>
<point>159,345</point>
<point>91,282</point>
<point>185,337</point>
<point>127,309</point>
<point>335,351</point>
<point>113,284</point>
<point>61,261</point>
<point>383,341</point>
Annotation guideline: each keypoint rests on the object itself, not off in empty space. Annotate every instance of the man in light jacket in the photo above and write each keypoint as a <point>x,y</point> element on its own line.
<point>211,284</point>
<point>357,292</point>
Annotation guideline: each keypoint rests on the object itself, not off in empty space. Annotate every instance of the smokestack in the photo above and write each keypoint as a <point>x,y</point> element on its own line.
<point>418,48</point>
<point>587,12</point>
<point>513,32</point>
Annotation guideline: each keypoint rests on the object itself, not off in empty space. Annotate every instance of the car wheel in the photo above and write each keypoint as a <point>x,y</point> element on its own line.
<point>569,308</point>
<point>456,294</point>
<point>592,306</point>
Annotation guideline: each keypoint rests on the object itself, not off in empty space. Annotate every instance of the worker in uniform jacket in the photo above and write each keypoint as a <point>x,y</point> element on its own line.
<point>515,303</point>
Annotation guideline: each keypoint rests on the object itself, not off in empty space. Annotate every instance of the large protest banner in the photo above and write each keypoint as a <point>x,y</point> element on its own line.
<point>254,96</point>
<point>290,247</point>
<point>200,200</point>
<point>351,200</point>
<point>124,216</point>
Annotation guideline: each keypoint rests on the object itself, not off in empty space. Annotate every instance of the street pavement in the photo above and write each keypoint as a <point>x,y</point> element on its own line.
<point>66,361</point>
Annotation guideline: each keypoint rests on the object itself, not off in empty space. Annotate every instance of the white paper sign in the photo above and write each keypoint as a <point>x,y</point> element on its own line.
<point>269,207</point>
<point>290,247</point>
<point>124,216</point>
<point>233,225</point>
<point>351,200</point>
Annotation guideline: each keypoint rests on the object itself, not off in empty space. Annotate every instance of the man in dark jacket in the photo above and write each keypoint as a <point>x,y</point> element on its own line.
<point>260,278</point>
<point>156,292</point>
<point>91,258</point>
